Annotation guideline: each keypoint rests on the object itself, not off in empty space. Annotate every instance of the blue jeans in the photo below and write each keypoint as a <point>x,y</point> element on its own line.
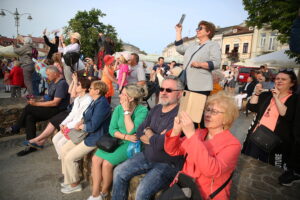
<point>158,176</point>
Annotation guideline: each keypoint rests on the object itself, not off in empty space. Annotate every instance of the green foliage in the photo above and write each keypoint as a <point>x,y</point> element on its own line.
<point>88,25</point>
<point>278,14</point>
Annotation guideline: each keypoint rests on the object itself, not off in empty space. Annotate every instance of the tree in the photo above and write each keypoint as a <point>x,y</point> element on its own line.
<point>88,25</point>
<point>279,14</point>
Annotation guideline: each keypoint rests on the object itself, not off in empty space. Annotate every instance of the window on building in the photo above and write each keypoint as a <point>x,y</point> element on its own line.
<point>262,40</point>
<point>227,47</point>
<point>236,48</point>
<point>272,42</point>
<point>245,47</point>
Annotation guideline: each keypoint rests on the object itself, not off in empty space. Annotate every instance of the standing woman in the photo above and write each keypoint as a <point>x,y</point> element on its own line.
<point>73,47</point>
<point>25,54</point>
<point>125,120</point>
<point>275,110</point>
<point>95,122</point>
<point>108,76</point>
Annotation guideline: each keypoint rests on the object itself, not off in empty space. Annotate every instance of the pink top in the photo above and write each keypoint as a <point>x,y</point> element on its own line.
<point>123,68</point>
<point>270,117</point>
<point>210,162</point>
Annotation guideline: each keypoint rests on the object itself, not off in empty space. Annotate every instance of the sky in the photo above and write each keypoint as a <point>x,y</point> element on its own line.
<point>149,25</point>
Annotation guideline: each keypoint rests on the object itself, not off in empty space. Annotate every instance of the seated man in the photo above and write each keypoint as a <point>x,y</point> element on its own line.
<point>160,168</point>
<point>246,91</point>
<point>54,102</point>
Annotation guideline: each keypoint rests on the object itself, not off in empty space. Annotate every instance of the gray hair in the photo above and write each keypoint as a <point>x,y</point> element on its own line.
<point>53,69</point>
<point>27,40</point>
<point>180,85</point>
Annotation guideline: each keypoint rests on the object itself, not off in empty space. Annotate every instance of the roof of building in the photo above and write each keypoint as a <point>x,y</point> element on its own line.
<point>238,30</point>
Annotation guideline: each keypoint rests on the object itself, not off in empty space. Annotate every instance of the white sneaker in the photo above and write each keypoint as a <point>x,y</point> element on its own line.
<point>69,189</point>
<point>63,184</point>
<point>95,198</point>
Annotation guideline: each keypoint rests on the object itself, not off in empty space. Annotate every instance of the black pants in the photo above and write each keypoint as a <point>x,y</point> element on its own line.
<point>32,114</point>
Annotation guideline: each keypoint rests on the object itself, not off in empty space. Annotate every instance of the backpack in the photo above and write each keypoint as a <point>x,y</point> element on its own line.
<point>34,53</point>
<point>71,58</point>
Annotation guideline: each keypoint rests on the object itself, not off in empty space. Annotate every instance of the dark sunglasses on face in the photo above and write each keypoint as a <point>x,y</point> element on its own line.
<point>199,28</point>
<point>286,69</point>
<point>168,90</point>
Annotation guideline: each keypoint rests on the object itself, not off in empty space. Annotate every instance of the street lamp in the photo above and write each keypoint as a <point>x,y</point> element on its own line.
<point>17,16</point>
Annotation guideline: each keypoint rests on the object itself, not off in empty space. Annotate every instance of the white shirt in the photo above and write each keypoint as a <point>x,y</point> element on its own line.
<point>136,74</point>
<point>80,105</point>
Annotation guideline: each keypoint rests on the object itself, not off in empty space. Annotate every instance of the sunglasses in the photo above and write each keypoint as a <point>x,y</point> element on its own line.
<point>199,28</point>
<point>286,70</point>
<point>168,90</point>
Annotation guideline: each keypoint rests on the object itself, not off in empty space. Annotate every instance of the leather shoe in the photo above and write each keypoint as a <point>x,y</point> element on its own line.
<point>26,151</point>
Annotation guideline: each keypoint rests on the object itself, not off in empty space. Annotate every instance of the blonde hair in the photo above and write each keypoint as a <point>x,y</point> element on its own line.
<point>101,86</point>
<point>225,101</point>
<point>123,59</point>
<point>56,57</point>
<point>137,92</point>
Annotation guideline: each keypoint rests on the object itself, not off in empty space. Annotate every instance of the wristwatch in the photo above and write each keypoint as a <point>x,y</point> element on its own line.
<point>126,112</point>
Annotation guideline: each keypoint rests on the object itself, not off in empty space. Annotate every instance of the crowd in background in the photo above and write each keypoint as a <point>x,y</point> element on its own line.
<point>165,145</point>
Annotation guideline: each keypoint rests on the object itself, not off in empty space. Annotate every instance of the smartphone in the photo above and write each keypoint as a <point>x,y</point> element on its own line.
<point>181,19</point>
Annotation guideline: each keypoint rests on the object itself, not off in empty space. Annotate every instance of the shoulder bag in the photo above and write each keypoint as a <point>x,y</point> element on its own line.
<point>77,136</point>
<point>187,189</point>
<point>182,76</point>
<point>263,137</point>
<point>108,143</point>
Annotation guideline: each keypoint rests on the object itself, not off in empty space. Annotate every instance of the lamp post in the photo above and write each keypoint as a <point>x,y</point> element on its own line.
<point>17,16</point>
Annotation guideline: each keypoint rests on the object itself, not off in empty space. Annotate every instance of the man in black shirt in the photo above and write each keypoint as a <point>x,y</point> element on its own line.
<point>160,168</point>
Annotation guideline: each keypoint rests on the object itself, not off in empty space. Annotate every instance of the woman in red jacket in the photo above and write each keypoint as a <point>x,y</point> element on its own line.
<point>211,153</point>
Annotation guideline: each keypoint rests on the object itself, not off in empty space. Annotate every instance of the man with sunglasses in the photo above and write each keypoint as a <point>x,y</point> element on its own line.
<point>199,58</point>
<point>160,168</point>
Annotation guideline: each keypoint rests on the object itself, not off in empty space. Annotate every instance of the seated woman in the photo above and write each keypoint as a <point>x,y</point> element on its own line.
<point>54,102</point>
<point>275,110</point>
<point>125,120</point>
<point>95,122</point>
<point>81,102</point>
<point>211,153</point>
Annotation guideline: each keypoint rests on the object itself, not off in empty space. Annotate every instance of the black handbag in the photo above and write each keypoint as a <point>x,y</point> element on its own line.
<point>71,58</point>
<point>265,139</point>
<point>108,143</point>
<point>187,189</point>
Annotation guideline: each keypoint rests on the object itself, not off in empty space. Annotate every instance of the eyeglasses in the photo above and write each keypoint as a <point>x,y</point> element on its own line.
<point>168,90</point>
<point>199,28</point>
<point>212,111</point>
<point>91,88</point>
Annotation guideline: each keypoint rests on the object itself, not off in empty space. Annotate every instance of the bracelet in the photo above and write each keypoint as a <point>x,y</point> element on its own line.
<point>124,136</point>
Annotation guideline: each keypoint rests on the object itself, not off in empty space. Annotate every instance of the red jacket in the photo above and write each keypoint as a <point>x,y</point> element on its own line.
<point>16,76</point>
<point>210,162</point>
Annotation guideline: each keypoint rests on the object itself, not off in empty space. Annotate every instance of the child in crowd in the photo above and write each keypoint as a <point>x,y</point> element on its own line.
<point>123,71</point>
<point>58,63</point>
<point>16,80</point>
<point>6,80</point>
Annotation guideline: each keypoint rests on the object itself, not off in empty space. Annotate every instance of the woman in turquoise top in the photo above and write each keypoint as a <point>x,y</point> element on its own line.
<point>125,120</point>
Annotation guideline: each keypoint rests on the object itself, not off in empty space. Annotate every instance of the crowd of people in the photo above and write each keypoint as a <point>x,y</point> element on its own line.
<point>78,105</point>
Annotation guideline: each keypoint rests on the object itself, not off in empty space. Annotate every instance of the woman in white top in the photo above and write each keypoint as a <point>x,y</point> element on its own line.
<point>73,47</point>
<point>81,102</point>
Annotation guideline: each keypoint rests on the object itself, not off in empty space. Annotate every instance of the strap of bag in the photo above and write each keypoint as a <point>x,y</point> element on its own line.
<point>212,195</point>
<point>193,55</point>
